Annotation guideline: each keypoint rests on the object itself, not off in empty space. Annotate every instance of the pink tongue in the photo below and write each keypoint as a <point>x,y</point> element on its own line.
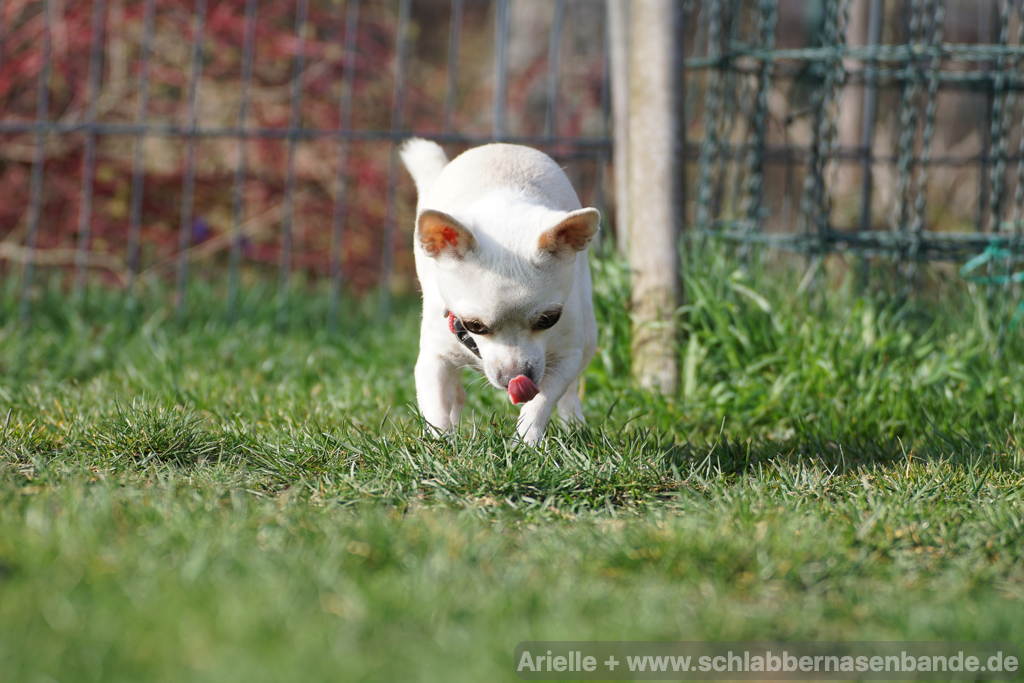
<point>521,389</point>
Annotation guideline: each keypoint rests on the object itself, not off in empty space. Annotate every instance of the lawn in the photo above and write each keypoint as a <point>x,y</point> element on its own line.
<point>187,498</point>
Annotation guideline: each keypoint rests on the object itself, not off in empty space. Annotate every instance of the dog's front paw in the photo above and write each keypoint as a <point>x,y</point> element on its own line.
<point>532,437</point>
<point>530,429</point>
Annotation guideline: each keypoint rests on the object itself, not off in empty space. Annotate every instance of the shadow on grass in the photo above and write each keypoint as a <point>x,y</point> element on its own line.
<point>398,464</point>
<point>842,453</point>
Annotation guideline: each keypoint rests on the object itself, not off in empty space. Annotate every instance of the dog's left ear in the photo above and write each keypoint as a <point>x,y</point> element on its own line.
<point>573,233</point>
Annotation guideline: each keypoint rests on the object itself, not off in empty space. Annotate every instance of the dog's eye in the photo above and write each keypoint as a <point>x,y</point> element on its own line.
<point>476,327</point>
<point>547,320</point>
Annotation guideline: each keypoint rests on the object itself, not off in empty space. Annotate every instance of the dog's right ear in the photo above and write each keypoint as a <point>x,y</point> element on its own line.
<point>439,234</point>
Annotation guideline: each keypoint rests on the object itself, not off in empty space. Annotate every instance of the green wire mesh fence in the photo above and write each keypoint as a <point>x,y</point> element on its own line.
<point>882,128</point>
<point>151,139</point>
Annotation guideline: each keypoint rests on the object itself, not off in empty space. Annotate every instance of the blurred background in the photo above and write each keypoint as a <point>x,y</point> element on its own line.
<point>268,125</point>
<point>177,139</point>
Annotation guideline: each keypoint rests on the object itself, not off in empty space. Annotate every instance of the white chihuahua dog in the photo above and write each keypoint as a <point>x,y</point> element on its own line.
<point>500,244</point>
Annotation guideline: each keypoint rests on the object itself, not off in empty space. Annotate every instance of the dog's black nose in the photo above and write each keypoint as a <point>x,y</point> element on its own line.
<point>506,376</point>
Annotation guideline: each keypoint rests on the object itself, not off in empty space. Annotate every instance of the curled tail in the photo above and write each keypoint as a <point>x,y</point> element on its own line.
<point>424,159</point>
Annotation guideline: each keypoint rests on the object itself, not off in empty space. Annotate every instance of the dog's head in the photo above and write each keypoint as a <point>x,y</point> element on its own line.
<point>510,296</point>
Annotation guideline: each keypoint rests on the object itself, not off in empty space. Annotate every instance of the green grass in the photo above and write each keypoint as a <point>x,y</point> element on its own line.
<point>187,499</point>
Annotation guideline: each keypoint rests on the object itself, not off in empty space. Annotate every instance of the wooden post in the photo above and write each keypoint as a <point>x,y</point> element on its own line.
<point>850,118</point>
<point>618,42</point>
<point>655,203</point>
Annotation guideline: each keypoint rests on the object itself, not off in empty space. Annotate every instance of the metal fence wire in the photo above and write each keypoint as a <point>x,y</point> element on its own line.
<point>143,139</point>
<point>878,134</point>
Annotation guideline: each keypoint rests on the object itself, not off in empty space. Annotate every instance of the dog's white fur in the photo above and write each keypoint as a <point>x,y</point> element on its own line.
<point>501,238</point>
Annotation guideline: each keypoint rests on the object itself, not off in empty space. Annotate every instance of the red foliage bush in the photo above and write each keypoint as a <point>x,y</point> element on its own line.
<point>367,163</point>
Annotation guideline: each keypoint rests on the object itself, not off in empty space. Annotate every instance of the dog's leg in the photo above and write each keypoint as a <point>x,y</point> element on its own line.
<point>459,400</point>
<point>534,416</point>
<point>570,408</point>
<point>439,392</point>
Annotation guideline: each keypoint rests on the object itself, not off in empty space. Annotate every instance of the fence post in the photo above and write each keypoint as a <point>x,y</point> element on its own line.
<point>850,118</point>
<point>618,54</point>
<point>655,163</point>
